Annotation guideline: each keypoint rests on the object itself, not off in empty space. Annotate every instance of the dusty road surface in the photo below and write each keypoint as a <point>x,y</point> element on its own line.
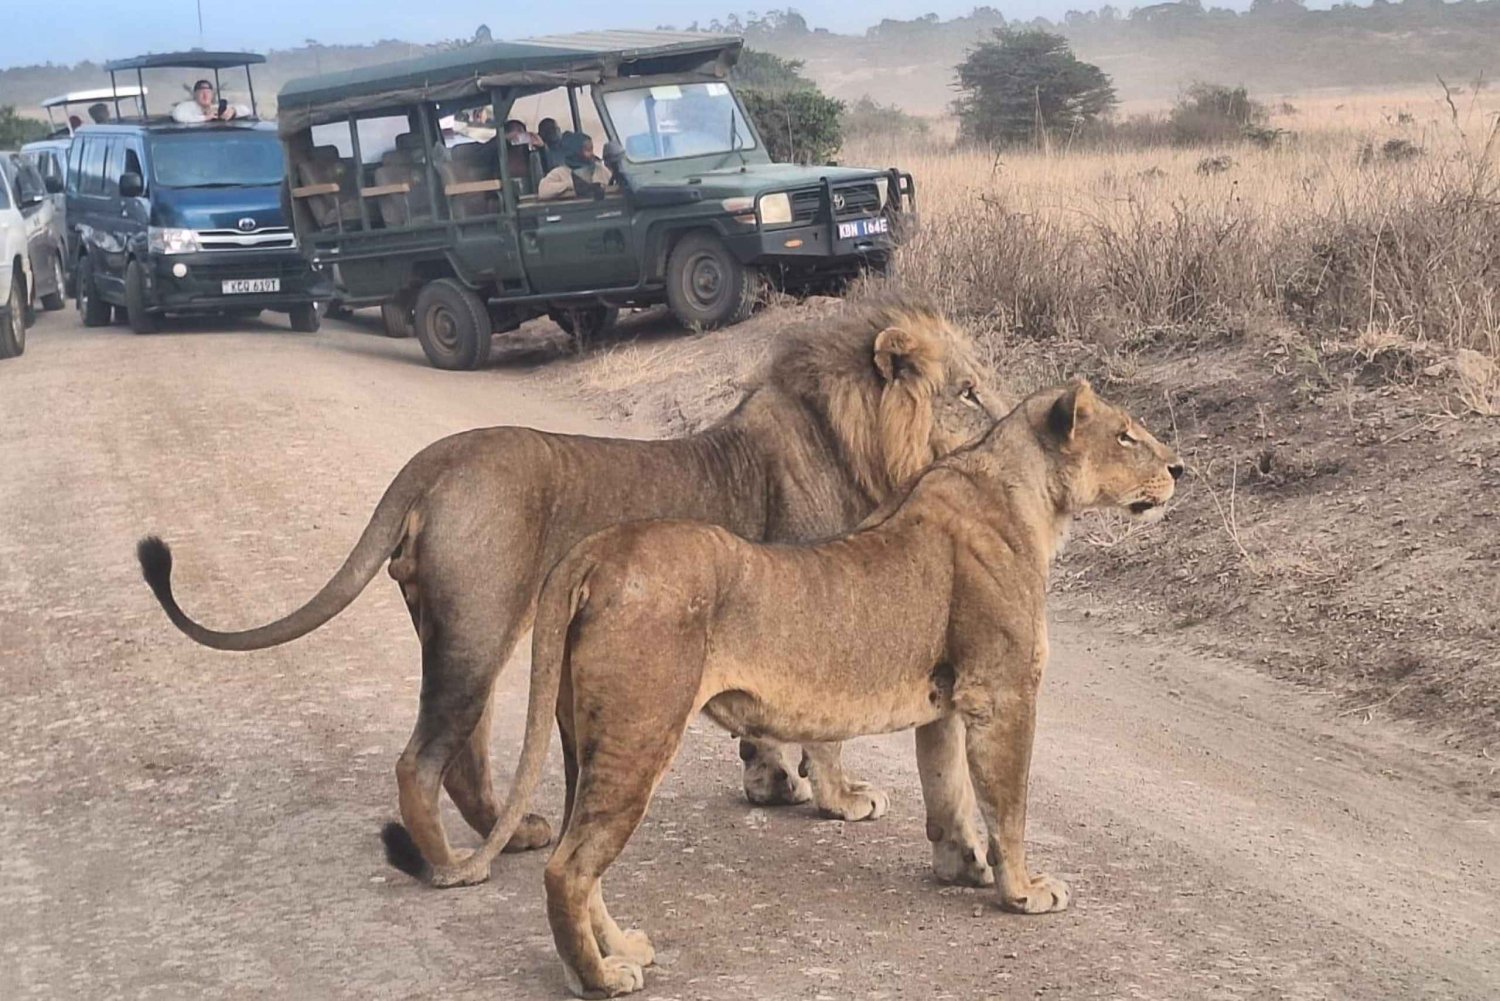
<point>181,823</point>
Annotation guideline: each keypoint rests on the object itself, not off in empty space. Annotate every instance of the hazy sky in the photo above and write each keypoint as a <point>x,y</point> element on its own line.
<point>66,31</point>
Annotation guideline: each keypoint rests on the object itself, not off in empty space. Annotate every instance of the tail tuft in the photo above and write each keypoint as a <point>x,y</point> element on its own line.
<point>402,852</point>
<point>156,563</point>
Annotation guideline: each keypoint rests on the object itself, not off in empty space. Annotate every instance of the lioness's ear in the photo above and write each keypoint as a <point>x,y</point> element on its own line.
<point>1071,409</point>
<point>893,349</point>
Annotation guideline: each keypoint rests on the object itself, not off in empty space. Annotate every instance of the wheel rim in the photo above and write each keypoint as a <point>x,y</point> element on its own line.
<point>443,325</point>
<point>705,281</point>
<point>17,320</point>
<point>85,279</point>
<point>57,276</point>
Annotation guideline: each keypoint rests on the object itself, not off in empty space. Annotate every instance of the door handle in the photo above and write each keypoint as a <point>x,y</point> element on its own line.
<point>552,218</point>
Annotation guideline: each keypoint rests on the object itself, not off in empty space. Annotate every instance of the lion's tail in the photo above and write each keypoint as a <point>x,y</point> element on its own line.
<point>563,595</point>
<point>387,527</point>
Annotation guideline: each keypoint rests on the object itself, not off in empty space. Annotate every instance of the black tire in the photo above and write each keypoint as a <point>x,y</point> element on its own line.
<point>95,311</point>
<point>396,315</point>
<point>453,325</point>
<point>585,324</point>
<point>13,325</point>
<point>707,286</point>
<point>137,308</point>
<point>57,299</point>
<point>305,318</point>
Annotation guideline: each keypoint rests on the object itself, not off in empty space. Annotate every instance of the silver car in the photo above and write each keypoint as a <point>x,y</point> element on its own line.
<point>46,236</point>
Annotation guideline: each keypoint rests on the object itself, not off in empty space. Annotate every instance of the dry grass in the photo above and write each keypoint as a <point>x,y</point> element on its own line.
<point>1324,231</point>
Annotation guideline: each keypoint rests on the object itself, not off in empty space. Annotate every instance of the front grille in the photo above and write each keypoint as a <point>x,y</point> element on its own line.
<point>268,238</point>
<point>858,200</point>
<point>272,267</point>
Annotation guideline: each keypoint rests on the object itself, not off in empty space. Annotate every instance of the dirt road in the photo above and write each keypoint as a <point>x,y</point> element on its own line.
<point>181,823</point>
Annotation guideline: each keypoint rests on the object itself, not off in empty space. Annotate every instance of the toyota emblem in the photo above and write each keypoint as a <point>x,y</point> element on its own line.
<point>246,225</point>
<point>838,202</point>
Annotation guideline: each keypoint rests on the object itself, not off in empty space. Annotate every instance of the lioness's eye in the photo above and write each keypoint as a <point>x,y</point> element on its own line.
<point>1127,439</point>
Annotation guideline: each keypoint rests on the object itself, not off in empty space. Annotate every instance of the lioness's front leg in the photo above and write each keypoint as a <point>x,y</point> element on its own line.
<point>999,745</point>
<point>834,792</point>
<point>958,849</point>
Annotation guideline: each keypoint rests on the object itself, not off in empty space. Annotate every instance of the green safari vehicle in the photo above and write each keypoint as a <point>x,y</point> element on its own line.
<point>402,181</point>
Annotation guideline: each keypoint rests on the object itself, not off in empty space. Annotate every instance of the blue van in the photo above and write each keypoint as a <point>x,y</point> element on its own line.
<point>166,217</point>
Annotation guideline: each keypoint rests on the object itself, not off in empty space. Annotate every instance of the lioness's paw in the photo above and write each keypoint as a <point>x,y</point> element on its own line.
<point>961,864</point>
<point>633,946</point>
<point>617,976</point>
<point>1044,895</point>
<point>856,801</point>
<point>467,873</point>
<point>534,832</point>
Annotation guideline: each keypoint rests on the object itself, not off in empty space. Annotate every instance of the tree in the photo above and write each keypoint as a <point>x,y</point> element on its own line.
<point>482,35</point>
<point>799,123</point>
<point>1026,83</point>
<point>17,129</point>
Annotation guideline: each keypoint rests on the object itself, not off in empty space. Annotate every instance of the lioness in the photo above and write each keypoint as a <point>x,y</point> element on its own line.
<point>932,617</point>
<point>851,407</point>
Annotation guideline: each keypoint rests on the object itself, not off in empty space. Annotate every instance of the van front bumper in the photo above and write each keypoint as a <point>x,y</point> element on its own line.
<point>200,288</point>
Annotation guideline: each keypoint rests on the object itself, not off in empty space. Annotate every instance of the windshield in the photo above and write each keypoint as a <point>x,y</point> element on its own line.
<point>217,160</point>
<point>670,121</point>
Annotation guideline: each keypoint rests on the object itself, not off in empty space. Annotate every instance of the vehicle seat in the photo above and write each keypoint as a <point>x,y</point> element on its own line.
<point>406,164</point>
<point>467,163</point>
<point>324,166</point>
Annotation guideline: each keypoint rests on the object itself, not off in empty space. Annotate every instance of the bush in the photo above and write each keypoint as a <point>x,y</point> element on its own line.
<point>869,119</point>
<point>798,126</point>
<point>1212,113</point>
<point>799,123</point>
<point>17,129</point>
<point>1026,84</point>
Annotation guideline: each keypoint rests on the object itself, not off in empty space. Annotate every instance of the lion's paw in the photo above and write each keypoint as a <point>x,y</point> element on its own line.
<point>633,946</point>
<point>467,873</point>
<point>857,801</point>
<point>960,864</point>
<point>1044,895</point>
<point>534,832</point>
<point>617,976</point>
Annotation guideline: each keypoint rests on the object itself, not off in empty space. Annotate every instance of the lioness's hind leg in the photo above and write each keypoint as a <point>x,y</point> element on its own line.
<point>472,787</point>
<point>958,848</point>
<point>835,794</point>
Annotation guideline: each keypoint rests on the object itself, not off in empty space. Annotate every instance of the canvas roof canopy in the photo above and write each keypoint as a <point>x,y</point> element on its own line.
<point>529,66</point>
<point>191,59</point>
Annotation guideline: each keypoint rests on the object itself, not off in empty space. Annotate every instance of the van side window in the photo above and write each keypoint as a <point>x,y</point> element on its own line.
<point>133,163</point>
<point>114,167</point>
<point>4,190</point>
<point>91,166</point>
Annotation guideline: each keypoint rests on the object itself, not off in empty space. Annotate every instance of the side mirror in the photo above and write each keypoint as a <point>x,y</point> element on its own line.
<point>132,185</point>
<point>53,184</point>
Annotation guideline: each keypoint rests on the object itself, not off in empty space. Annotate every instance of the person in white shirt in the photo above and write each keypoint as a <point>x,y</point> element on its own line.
<point>206,107</point>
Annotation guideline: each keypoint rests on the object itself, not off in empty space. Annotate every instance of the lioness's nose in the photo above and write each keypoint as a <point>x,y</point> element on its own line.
<point>1175,468</point>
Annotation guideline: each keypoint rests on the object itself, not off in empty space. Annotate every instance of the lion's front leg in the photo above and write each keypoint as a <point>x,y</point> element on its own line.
<point>959,852</point>
<point>772,775</point>
<point>835,794</point>
<point>999,746</point>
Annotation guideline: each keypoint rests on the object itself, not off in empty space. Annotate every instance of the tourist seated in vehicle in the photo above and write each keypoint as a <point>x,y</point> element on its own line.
<point>519,142</point>
<point>206,106</point>
<point>582,175</point>
<point>99,112</point>
<point>551,136</point>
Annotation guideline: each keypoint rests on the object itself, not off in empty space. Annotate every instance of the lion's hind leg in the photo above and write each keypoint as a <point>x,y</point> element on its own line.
<point>470,783</point>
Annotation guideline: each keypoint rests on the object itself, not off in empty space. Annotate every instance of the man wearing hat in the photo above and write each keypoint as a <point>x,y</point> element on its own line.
<point>206,107</point>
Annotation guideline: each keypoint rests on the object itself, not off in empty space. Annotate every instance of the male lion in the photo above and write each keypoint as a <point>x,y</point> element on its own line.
<point>851,408</point>
<point>933,616</point>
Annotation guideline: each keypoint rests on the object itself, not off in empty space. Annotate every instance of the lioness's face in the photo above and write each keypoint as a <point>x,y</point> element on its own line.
<point>1116,462</point>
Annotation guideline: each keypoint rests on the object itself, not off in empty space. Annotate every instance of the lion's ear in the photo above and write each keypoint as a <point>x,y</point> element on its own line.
<point>901,354</point>
<point>1071,409</point>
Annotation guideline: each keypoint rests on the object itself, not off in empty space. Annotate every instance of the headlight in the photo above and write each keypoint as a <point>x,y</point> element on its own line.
<point>164,240</point>
<point>883,188</point>
<point>775,210</point>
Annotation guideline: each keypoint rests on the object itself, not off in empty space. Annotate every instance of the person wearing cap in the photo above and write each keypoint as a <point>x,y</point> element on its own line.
<point>206,107</point>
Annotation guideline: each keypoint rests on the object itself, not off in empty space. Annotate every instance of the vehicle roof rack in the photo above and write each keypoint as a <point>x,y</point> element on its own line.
<point>93,96</point>
<point>190,59</point>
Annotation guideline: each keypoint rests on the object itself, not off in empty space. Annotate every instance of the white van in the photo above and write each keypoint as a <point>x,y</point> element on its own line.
<point>15,269</point>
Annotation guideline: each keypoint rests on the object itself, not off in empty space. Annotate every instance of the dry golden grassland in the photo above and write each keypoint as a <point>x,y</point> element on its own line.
<point>1375,220</point>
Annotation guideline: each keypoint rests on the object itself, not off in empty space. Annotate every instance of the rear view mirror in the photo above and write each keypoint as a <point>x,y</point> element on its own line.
<point>53,183</point>
<point>132,185</point>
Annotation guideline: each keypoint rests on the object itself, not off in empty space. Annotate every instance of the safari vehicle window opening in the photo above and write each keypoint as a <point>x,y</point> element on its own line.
<point>742,123</point>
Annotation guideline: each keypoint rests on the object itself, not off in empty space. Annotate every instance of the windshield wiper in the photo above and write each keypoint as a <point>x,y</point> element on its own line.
<point>226,184</point>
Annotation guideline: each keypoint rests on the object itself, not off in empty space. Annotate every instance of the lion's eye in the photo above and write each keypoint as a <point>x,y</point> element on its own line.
<point>969,396</point>
<point>1127,439</point>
